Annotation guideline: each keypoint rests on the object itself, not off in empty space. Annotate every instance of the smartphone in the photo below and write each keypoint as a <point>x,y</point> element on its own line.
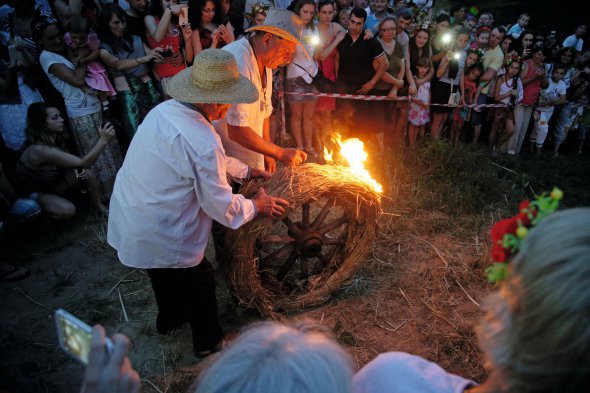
<point>74,336</point>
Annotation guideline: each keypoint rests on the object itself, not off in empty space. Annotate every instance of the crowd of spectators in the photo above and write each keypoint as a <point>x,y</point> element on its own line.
<point>101,65</point>
<point>79,76</point>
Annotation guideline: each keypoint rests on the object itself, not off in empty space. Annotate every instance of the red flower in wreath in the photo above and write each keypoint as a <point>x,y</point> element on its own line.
<point>501,228</point>
<point>526,213</point>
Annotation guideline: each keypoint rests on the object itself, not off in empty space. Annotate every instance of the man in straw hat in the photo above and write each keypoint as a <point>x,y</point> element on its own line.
<point>270,45</point>
<point>173,184</point>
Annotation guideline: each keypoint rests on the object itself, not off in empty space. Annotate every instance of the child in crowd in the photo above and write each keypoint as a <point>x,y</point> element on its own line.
<point>570,114</point>
<point>469,77</point>
<point>517,29</point>
<point>83,50</point>
<point>462,113</point>
<point>508,91</point>
<point>553,95</point>
<point>419,107</point>
<point>482,35</point>
<point>344,17</point>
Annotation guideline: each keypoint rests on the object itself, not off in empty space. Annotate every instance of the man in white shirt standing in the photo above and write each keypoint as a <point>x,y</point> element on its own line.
<point>173,184</point>
<point>247,135</point>
<point>575,40</point>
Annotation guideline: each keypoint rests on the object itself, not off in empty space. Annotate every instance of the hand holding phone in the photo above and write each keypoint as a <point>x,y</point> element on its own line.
<point>107,374</point>
<point>74,336</point>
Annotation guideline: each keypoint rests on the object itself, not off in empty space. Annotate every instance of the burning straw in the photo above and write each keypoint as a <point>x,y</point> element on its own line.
<point>300,185</point>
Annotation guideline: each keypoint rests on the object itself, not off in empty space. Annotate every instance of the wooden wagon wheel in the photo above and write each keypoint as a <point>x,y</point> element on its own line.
<point>299,261</point>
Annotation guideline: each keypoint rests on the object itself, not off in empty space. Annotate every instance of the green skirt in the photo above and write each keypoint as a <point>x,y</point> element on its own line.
<point>135,103</point>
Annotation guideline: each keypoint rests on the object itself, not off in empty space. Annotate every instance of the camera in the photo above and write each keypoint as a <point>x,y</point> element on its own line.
<point>167,53</point>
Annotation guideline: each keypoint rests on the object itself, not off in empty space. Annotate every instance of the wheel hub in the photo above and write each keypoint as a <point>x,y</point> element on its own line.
<point>308,243</point>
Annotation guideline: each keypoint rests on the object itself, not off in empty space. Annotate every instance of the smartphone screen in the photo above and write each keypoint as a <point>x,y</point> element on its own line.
<point>74,336</point>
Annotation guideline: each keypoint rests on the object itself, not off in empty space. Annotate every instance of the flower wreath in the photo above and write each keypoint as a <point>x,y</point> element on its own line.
<point>257,8</point>
<point>478,52</point>
<point>512,58</point>
<point>482,29</point>
<point>507,235</point>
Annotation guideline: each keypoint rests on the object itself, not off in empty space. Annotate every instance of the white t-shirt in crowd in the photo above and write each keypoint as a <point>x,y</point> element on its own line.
<point>401,372</point>
<point>305,60</point>
<point>573,41</point>
<point>78,102</point>
<point>172,185</point>
<point>552,92</point>
<point>247,115</point>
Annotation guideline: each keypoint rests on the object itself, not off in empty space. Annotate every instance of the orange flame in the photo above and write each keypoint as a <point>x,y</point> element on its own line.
<point>353,150</point>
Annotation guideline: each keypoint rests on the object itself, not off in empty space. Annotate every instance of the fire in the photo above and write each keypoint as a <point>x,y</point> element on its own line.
<point>353,150</point>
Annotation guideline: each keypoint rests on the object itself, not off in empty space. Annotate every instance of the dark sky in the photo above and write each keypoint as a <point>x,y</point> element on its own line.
<point>562,15</point>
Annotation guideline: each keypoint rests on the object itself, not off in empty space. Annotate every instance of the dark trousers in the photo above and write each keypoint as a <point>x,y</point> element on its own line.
<point>188,295</point>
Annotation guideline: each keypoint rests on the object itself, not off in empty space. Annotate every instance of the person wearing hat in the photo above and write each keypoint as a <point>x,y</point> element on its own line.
<point>173,184</point>
<point>269,46</point>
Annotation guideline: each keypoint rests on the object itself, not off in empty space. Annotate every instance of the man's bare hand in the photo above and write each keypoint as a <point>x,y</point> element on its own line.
<point>108,374</point>
<point>259,173</point>
<point>292,156</point>
<point>270,164</point>
<point>270,206</point>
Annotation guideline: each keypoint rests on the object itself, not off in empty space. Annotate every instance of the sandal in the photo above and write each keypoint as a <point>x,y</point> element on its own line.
<point>227,339</point>
<point>311,152</point>
<point>14,274</point>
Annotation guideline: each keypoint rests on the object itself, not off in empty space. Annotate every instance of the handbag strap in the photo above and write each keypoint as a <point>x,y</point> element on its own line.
<point>307,72</point>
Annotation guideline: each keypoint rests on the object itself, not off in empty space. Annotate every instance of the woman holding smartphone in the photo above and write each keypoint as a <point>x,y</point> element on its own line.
<point>164,31</point>
<point>83,108</point>
<point>45,170</point>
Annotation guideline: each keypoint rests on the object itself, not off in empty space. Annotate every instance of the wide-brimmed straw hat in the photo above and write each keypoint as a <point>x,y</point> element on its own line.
<point>282,23</point>
<point>213,79</point>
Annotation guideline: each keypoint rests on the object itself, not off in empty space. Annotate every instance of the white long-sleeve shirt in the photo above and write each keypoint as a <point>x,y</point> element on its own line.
<point>171,186</point>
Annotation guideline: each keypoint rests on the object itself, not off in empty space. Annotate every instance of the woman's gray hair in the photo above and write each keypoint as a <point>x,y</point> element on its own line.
<point>387,19</point>
<point>536,333</point>
<point>278,358</point>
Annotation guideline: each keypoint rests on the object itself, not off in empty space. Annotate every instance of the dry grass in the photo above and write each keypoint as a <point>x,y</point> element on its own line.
<point>307,183</point>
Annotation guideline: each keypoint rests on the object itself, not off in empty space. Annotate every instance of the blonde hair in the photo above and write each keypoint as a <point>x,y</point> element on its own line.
<point>536,333</point>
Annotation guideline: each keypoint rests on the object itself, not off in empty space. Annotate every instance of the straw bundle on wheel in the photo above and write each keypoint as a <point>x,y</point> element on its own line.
<point>299,261</point>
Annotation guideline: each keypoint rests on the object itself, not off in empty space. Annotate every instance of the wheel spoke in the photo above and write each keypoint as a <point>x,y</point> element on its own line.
<point>323,213</point>
<point>323,259</point>
<point>285,267</point>
<point>278,254</point>
<point>333,225</point>
<point>305,216</point>
<point>276,239</point>
<point>304,268</point>
<point>333,242</point>
<point>291,226</point>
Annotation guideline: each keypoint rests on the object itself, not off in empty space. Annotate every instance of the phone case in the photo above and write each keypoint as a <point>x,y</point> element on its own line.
<point>74,336</point>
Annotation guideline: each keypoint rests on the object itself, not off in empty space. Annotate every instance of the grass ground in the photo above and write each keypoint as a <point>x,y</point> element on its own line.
<point>420,290</point>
